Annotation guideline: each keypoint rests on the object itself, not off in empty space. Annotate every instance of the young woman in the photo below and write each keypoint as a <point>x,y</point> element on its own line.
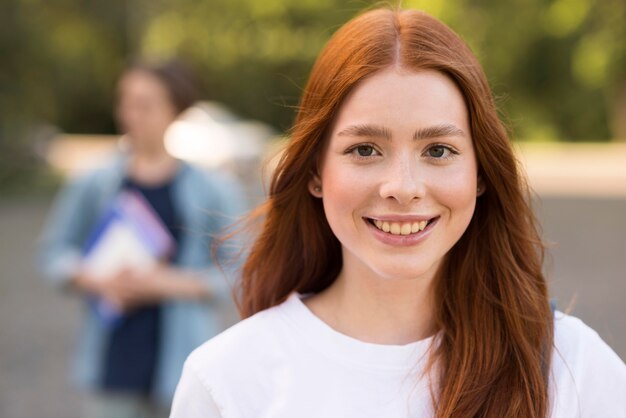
<point>398,270</point>
<point>131,368</point>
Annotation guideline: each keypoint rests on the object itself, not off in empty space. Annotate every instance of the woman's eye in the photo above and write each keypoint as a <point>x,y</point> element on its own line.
<point>365,150</point>
<point>441,152</point>
<point>437,151</point>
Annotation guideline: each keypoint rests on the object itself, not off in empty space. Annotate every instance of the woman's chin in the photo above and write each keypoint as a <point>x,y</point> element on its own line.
<point>406,272</point>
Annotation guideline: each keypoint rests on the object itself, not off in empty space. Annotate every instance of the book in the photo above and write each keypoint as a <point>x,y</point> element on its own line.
<point>130,234</point>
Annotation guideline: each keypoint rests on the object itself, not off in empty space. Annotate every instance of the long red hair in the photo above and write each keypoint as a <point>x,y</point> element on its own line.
<point>491,302</point>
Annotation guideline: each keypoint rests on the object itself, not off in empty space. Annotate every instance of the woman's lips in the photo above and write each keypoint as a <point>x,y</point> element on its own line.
<point>404,232</point>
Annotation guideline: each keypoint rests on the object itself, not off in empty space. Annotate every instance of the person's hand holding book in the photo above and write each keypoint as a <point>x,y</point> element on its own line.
<point>131,288</point>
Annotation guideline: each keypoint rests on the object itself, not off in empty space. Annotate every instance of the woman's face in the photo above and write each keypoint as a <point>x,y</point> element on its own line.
<point>398,175</point>
<point>144,109</point>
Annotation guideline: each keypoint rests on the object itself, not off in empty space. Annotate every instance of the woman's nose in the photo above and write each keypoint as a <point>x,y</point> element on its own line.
<point>402,181</point>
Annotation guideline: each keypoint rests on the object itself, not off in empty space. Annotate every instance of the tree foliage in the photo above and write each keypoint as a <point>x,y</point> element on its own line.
<point>556,65</point>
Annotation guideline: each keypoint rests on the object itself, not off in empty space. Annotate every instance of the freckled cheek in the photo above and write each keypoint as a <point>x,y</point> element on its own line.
<point>344,191</point>
<point>457,192</point>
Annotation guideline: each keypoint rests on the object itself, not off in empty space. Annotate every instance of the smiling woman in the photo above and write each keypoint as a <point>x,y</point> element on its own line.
<point>398,271</point>
<point>385,169</point>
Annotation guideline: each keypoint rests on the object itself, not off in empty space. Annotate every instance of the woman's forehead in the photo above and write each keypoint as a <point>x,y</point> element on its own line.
<point>393,99</point>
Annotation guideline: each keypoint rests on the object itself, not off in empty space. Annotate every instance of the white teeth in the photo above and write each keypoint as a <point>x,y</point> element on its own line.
<point>400,228</point>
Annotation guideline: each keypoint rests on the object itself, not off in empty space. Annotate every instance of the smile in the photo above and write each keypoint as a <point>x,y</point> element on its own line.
<point>400,228</point>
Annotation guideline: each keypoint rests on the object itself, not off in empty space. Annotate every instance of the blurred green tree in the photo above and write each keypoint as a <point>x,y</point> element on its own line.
<point>554,64</point>
<point>59,63</point>
<point>558,66</point>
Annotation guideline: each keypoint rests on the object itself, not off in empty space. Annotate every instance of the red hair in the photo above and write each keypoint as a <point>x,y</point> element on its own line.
<point>491,302</point>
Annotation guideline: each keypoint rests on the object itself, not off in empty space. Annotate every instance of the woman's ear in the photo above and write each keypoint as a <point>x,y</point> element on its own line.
<point>481,187</point>
<point>315,186</point>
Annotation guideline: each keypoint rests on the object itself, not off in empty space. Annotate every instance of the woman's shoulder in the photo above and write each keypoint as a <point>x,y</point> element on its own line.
<point>234,369</point>
<point>195,174</point>
<point>251,341</point>
<point>211,188</point>
<point>588,377</point>
<point>573,338</point>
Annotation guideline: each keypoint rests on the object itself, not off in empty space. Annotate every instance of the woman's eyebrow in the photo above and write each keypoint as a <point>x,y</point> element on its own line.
<point>438,131</point>
<point>372,131</point>
<point>375,131</point>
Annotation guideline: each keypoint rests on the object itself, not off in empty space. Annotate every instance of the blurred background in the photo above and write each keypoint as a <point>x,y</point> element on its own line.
<point>557,67</point>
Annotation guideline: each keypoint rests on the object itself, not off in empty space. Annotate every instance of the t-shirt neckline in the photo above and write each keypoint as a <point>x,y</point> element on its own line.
<point>348,350</point>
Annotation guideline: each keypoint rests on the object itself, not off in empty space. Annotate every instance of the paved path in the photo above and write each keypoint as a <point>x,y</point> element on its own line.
<point>587,266</point>
<point>37,324</point>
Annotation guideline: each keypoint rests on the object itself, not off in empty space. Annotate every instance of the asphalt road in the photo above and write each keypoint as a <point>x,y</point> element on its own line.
<point>586,271</point>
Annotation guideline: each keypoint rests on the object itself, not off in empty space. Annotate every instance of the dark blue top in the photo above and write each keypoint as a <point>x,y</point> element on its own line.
<point>131,356</point>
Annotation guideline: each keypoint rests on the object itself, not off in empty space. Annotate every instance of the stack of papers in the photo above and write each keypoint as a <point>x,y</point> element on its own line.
<point>129,235</point>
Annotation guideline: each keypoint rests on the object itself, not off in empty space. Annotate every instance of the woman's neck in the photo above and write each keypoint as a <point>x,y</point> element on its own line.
<point>377,310</point>
<point>151,168</point>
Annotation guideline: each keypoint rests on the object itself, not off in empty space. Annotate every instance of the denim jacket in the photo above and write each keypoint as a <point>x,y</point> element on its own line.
<point>206,203</point>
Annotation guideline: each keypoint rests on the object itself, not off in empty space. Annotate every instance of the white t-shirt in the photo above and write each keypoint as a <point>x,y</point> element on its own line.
<point>286,362</point>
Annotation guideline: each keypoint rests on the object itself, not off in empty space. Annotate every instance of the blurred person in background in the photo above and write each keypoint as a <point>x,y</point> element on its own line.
<point>398,272</point>
<point>130,367</point>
